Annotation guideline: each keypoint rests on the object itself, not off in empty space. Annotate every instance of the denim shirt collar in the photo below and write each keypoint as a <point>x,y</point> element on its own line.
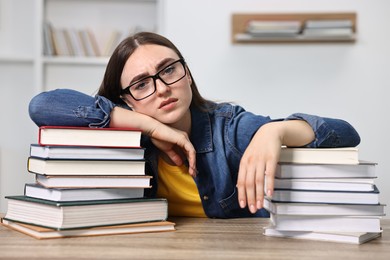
<point>201,138</point>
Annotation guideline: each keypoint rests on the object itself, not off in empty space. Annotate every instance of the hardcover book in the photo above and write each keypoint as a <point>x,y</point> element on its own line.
<point>317,223</point>
<point>317,196</point>
<point>85,152</point>
<point>364,169</point>
<point>346,237</point>
<point>71,194</point>
<point>85,136</point>
<point>91,181</point>
<point>85,214</point>
<point>46,233</point>
<point>85,167</point>
<point>324,209</point>
<point>347,155</point>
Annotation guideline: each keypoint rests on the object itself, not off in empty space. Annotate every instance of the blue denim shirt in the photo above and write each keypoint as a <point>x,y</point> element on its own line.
<point>220,136</point>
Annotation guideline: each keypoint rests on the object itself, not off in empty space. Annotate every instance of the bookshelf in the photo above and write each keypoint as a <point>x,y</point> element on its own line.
<point>100,17</point>
<point>240,35</point>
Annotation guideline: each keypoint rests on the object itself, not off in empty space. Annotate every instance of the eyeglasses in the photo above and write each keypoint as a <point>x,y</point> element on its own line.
<point>147,86</point>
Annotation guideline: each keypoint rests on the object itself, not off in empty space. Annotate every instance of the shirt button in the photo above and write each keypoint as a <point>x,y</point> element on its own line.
<point>205,197</point>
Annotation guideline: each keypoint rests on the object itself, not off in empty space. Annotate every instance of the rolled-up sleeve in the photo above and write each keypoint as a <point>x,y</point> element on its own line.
<point>329,132</point>
<point>66,107</point>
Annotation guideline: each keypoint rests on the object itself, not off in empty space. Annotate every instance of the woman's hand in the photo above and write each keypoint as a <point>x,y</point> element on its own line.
<point>174,143</point>
<point>260,159</point>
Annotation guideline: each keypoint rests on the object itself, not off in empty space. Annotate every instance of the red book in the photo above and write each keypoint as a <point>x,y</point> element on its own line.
<point>85,136</point>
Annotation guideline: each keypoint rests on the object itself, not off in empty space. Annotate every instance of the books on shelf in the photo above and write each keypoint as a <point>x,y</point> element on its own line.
<point>346,155</point>
<point>363,169</point>
<point>273,28</point>
<point>328,23</point>
<point>324,209</point>
<point>47,233</point>
<point>48,181</point>
<point>71,194</point>
<point>85,152</point>
<point>85,167</point>
<point>346,237</point>
<point>320,196</point>
<point>85,136</point>
<point>83,214</point>
<point>325,223</point>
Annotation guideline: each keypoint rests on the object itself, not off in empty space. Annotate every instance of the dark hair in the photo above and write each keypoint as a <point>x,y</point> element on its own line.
<point>111,86</point>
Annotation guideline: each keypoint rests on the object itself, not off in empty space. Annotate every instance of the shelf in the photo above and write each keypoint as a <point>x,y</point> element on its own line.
<point>240,23</point>
<point>76,60</point>
<point>15,59</point>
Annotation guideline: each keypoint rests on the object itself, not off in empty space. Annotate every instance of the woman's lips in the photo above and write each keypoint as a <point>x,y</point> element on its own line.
<point>167,102</point>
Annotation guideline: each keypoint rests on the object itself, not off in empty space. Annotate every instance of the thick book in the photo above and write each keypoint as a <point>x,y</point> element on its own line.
<point>324,184</point>
<point>70,194</point>
<point>85,152</point>
<point>86,136</point>
<point>85,167</point>
<point>324,209</point>
<point>47,233</point>
<point>84,214</point>
<point>316,196</point>
<point>364,169</point>
<point>346,155</point>
<point>370,224</point>
<point>339,237</point>
<point>49,181</point>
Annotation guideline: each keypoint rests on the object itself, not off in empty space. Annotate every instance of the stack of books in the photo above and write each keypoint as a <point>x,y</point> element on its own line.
<point>89,181</point>
<point>328,29</point>
<point>263,29</point>
<point>324,194</point>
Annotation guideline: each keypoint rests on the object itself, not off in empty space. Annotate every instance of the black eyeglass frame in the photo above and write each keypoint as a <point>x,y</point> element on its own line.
<point>155,77</point>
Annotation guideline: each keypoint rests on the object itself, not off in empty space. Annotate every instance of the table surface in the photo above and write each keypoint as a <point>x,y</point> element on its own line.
<point>195,238</point>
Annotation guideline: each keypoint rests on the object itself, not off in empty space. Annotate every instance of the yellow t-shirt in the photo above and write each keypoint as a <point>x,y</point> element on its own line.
<point>179,188</point>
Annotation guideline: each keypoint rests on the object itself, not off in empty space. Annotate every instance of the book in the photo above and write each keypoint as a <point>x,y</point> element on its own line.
<point>85,136</point>
<point>84,214</point>
<point>141,181</point>
<point>329,23</point>
<point>47,233</point>
<point>85,152</point>
<point>346,237</point>
<point>85,167</point>
<point>346,155</point>
<point>323,184</point>
<point>321,223</point>
<point>324,209</point>
<point>364,169</point>
<point>273,27</point>
<point>70,194</point>
<point>328,33</point>
<point>317,196</point>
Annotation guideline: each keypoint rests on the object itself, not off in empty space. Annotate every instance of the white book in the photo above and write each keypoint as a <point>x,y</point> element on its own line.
<point>329,23</point>
<point>57,194</point>
<point>323,184</point>
<point>340,237</point>
<point>325,223</point>
<point>86,152</point>
<point>324,209</point>
<point>310,170</point>
<point>346,155</point>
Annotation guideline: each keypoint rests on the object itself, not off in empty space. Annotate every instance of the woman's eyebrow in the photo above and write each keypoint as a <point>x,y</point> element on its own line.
<point>158,67</point>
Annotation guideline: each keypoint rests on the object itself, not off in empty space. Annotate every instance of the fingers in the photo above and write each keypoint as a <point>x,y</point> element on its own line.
<point>251,183</point>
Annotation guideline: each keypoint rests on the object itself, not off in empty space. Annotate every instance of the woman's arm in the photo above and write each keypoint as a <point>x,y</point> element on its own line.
<point>261,157</point>
<point>165,138</point>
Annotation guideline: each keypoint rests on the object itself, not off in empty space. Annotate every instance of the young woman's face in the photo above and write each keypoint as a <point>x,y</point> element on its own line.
<point>170,103</point>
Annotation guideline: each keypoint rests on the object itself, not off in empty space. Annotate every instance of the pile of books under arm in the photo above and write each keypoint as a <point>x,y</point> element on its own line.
<point>89,181</point>
<point>325,194</point>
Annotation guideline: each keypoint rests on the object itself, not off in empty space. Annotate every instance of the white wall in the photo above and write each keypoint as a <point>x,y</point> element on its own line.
<point>337,80</point>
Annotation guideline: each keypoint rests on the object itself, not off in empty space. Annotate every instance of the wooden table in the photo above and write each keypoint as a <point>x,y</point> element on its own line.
<point>194,239</point>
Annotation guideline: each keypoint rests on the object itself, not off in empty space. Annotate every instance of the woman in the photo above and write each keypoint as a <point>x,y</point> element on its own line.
<point>235,149</point>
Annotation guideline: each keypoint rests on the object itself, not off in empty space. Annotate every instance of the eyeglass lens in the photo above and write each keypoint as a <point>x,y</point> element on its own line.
<point>169,75</point>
